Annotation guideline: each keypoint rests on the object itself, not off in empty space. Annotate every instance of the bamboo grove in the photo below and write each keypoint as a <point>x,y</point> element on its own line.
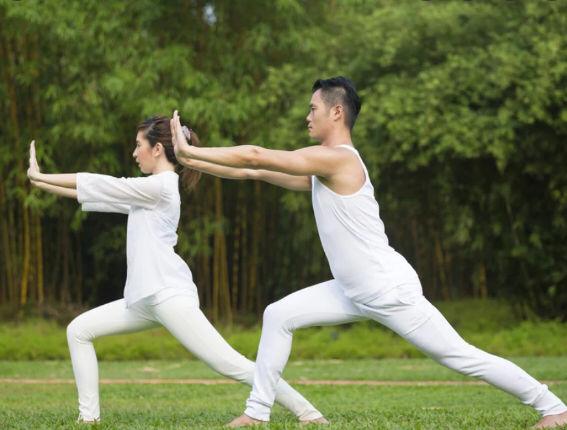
<point>463,129</point>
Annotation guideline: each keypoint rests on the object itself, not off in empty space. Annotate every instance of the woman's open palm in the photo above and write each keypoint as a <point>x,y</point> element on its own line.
<point>33,168</point>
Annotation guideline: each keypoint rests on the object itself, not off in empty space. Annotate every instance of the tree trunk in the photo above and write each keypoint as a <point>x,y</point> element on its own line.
<point>440,263</point>
<point>8,265</point>
<point>221,292</point>
<point>482,286</point>
<point>244,272</point>
<point>78,281</point>
<point>236,250</point>
<point>65,250</point>
<point>39,259</point>
<point>9,79</point>
<point>256,237</point>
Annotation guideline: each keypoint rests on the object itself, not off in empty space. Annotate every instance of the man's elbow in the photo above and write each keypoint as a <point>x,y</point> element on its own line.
<point>253,157</point>
<point>187,162</point>
<point>251,174</point>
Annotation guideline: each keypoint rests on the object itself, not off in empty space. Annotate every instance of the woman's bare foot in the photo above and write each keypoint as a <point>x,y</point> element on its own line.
<point>319,421</point>
<point>244,421</point>
<point>94,422</point>
<point>552,421</point>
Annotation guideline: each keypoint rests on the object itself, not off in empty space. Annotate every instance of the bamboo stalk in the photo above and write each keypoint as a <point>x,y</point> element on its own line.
<point>65,250</point>
<point>9,80</point>
<point>256,237</point>
<point>244,260</point>
<point>78,263</point>
<point>7,254</point>
<point>217,251</point>
<point>440,263</point>
<point>39,258</point>
<point>483,287</point>
<point>236,250</point>
<point>26,259</point>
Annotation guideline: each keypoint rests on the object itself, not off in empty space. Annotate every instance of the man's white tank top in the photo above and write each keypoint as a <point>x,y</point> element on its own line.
<point>355,243</point>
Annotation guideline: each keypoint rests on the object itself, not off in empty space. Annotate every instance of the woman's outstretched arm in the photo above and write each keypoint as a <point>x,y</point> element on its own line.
<point>54,189</point>
<point>34,174</point>
<point>66,186</point>
<point>66,180</point>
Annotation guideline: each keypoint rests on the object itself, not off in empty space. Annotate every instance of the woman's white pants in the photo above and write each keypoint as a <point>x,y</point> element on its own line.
<point>403,309</point>
<point>181,316</point>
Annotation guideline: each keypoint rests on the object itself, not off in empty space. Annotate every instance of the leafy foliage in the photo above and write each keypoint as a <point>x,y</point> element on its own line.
<point>462,128</point>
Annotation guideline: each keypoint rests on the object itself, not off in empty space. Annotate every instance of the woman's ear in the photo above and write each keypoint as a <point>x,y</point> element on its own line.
<point>158,149</point>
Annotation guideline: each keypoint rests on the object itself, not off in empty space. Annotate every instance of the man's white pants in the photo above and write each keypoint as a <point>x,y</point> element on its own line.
<point>185,321</point>
<point>403,309</point>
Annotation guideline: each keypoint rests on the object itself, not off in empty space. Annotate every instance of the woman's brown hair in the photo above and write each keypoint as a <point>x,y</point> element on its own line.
<point>157,130</point>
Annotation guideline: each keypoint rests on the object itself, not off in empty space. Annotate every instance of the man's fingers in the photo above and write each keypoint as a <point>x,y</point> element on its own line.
<point>172,129</point>
<point>174,120</point>
<point>177,121</point>
<point>179,128</point>
<point>178,124</point>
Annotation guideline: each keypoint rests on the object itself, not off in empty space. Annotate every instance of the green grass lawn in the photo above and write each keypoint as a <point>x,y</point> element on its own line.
<point>168,406</point>
<point>414,369</point>
<point>46,340</point>
<point>37,349</point>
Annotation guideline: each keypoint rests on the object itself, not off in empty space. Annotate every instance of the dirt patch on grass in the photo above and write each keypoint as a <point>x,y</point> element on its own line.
<point>156,381</point>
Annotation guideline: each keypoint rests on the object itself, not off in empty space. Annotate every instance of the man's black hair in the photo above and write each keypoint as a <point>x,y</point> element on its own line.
<point>340,90</point>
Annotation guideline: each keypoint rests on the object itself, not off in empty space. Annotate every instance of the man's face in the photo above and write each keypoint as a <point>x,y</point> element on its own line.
<point>319,120</point>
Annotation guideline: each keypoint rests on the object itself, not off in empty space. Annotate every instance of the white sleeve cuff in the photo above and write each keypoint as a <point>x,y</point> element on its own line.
<point>80,189</point>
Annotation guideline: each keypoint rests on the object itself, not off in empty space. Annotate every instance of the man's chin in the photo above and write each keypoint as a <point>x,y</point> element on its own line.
<point>313,136</point>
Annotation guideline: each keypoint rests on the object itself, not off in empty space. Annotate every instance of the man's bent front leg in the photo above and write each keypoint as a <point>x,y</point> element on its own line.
<point>322,304</point>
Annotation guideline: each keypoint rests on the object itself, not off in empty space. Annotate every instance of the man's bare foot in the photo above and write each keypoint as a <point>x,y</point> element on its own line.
<point>319,421</point>
<point>552,421</point>
<point>244,421</point>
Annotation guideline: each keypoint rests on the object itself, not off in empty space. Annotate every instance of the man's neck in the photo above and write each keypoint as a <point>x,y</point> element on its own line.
<point>336,138</point>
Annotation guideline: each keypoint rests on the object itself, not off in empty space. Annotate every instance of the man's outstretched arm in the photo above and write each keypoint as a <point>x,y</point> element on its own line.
<point>291,182</point>
<point>314,160</point>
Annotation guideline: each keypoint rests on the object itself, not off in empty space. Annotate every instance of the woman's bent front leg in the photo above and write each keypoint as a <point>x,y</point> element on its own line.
<point>105,320</point>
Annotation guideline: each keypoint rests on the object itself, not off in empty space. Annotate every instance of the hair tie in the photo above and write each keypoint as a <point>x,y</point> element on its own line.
<point>186,132</point>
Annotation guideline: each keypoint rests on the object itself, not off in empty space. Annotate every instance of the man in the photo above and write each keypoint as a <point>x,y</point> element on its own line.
<point>371,280</point>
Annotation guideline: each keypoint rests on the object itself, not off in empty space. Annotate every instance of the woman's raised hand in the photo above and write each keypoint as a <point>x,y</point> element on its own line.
<point>33,169</point>
<point>178,136</point>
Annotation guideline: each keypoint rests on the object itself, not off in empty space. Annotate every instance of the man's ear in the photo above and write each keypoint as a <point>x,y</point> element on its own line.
<point>337,112</point>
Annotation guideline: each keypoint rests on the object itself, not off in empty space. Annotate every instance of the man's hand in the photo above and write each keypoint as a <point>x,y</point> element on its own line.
<point>180,136</point>
<point>33,169</point>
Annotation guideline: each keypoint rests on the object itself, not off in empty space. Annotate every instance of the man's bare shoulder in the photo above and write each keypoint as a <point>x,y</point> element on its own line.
<point>326,151</point>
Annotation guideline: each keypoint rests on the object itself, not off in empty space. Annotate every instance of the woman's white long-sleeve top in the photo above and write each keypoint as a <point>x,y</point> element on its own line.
<point>153,207</point>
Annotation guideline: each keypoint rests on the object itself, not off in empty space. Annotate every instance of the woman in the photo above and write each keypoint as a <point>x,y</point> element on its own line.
<point>159,286</point>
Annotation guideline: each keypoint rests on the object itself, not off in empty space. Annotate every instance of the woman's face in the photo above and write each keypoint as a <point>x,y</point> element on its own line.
<point>144,154</point>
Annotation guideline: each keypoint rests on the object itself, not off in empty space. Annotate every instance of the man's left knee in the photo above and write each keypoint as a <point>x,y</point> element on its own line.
<point>276,315</point>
